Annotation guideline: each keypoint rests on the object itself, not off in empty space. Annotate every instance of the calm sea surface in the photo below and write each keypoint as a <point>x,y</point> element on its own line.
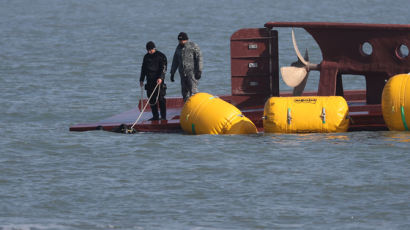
<point>68,62</point>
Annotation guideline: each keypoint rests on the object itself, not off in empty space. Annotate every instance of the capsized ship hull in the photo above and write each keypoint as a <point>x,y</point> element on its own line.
<point>255,73</point>
<point>362,116</point>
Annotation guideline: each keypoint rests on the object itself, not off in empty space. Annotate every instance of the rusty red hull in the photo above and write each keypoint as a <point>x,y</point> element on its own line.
<point>362,116</point>
<point>255,73</point>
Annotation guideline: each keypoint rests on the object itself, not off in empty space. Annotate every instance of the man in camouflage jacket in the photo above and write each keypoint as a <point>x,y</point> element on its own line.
<point>188,60</point>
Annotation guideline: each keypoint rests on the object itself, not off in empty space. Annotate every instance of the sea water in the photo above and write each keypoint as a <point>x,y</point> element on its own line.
<point>69,62</point>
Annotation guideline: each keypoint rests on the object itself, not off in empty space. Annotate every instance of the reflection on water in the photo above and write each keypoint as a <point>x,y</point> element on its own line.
<point>397,136</point>
<point>308,137</point>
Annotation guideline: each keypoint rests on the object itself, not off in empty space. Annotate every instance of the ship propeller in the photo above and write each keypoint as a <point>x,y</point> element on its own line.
<point>296,74</point>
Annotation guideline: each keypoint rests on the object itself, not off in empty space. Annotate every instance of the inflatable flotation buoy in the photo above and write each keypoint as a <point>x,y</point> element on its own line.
<point>396,102</point>
<point>306,114</point>
<point>204,113</point>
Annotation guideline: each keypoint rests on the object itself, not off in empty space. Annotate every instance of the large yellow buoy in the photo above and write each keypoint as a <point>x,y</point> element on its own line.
<point>204,113</point>
<point>306,114</point>
<point>396,102</point>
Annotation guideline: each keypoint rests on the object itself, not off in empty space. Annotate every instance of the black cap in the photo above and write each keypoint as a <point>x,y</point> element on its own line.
<point>182,36</point>
<point>150,45</point>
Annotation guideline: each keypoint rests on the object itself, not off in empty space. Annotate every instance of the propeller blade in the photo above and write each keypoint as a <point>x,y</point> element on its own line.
<point>298,90</point>
<point>296,75</point>
<point>295,46</point>
<point>293,76</point>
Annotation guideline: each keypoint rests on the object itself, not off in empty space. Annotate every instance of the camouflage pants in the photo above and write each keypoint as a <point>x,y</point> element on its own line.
<point>189,86</point>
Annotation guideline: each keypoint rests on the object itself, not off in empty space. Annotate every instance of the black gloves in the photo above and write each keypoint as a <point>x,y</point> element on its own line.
<point>172,78</point>
<point>198,75</point>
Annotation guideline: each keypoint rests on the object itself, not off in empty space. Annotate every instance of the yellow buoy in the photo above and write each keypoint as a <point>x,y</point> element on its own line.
<point>204,113</point>
<point>396,102</point>
<point>306,114</point>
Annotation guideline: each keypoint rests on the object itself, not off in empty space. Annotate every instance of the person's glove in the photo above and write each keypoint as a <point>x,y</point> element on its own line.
<point>198,75</point>
<point>172,78</point>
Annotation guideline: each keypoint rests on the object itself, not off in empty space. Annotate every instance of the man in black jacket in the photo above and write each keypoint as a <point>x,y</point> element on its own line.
<point>154,67</point>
